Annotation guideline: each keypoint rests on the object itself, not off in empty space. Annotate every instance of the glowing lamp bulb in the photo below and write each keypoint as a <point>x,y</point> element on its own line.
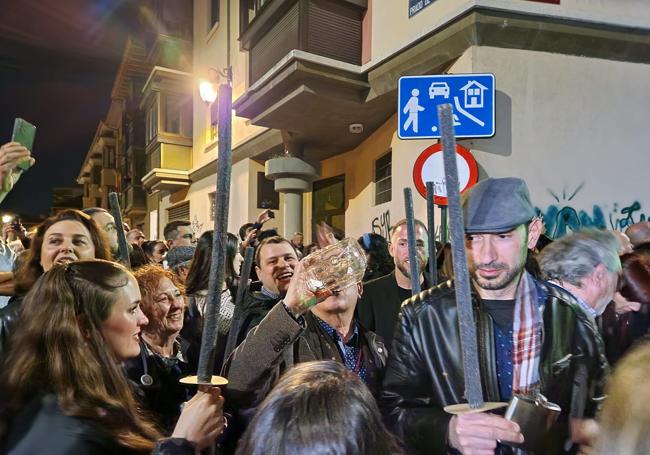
<point>207,91</point>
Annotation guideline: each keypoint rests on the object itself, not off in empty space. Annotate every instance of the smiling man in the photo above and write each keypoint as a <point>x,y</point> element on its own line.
<point>533,337</point>
<point>275,259</point>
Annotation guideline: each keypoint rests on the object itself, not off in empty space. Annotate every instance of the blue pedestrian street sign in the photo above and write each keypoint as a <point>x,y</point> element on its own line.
<point>472,96</point>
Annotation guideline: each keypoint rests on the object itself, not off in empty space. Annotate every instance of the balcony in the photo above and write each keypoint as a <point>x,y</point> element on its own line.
<point>306,75</point>
<point>109,177</point>
<point>330,28</point>
<point>168,166</point>
<point>134,201</point>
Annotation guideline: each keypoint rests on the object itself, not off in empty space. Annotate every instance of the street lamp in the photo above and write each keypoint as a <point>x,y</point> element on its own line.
<point>208,88</point>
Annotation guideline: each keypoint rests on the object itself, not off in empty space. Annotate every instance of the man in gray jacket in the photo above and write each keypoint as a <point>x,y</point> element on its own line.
<point>293,332</point>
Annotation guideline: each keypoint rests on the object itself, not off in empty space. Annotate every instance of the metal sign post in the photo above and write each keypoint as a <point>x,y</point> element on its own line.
<point>431,225</point>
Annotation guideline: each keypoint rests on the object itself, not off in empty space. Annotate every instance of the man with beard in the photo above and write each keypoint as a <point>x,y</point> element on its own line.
<point>382,297</point>
<point>533,338</point>
<point>275,259</point>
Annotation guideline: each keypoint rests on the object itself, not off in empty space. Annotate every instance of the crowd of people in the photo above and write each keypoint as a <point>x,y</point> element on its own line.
<point>93,346</point>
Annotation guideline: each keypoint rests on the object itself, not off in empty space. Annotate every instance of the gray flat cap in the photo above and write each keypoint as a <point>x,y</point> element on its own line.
<point>180,255</point>
<point>497,205</point>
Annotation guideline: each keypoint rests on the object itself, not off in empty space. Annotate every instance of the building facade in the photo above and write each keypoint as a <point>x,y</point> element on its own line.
<point>315,109</point>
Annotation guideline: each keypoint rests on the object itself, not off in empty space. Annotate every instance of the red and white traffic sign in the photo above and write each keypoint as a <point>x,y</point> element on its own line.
<point>429,167</point>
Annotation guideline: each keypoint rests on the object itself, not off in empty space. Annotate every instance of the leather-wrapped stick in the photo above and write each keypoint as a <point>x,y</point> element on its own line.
<point>222,200</point>
<point>247,265</point>
<point>412,247</point>
<point>468,339</point>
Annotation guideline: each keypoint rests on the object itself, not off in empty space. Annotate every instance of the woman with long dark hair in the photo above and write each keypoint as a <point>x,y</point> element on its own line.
<point>318,407</point>
<point>196,289</point>
<point>63,389</point>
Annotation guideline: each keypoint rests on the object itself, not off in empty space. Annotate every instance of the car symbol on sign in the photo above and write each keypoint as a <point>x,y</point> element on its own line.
<point>438,88</point>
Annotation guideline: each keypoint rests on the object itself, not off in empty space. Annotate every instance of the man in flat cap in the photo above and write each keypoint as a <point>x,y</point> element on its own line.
<point>533,338</point>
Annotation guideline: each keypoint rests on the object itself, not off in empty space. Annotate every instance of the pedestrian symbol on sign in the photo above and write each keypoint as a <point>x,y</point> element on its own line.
<point>413,108</point>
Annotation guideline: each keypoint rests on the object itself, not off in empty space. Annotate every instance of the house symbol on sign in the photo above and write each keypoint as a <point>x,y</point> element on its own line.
<point>473,94</point>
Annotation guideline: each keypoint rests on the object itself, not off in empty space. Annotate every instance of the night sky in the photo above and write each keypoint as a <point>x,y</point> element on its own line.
<point>58,61</point>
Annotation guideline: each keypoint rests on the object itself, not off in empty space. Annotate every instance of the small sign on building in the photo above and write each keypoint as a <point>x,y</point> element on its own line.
<point>415,6</point>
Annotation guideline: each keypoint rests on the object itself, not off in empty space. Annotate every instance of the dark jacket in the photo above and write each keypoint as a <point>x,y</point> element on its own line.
<point>254,308</point>
<point>43,428</point>
<point>424,372</point>
<point>379,306</point>
<point>279,342</point>
<point>8,317</point>
<point>164,395</point>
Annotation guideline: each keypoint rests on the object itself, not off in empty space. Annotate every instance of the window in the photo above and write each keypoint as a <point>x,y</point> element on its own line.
<point>214,120</point>
<point>109,158</point>
<point>179,212</point>
<point>211,197</point>
<point>214,14</point>
<point>178,115</point>
<point>267,197</point>
<point>151,119</point>
<point>248,9</point>
<point>328,203</point>
<point>383,179</point>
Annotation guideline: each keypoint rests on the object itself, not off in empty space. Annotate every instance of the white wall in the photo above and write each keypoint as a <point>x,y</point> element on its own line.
<point>578,125</point>
<point>392,16</point>
<point>243,198</point>
<point>574,128</point>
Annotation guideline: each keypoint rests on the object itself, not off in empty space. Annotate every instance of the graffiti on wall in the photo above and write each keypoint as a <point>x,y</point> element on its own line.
<point>381,224</point>
<point>561,217</point>
<point>626,216</point>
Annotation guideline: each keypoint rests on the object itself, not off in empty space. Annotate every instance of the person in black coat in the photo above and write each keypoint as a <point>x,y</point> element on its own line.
<point>383,297</point>
<point>164,357</point>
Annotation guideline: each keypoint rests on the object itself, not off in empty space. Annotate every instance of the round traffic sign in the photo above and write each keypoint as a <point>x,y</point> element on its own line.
<point>429,167</point>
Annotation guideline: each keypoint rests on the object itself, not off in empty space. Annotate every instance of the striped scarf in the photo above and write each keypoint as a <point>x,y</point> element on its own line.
<point>526,338</point>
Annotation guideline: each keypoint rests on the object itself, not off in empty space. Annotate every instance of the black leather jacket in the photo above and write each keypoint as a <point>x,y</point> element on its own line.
<point>8,317</point>
<point>424,371</point>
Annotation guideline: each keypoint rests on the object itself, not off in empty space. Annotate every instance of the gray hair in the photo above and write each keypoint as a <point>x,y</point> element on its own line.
<point>574,256</point>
